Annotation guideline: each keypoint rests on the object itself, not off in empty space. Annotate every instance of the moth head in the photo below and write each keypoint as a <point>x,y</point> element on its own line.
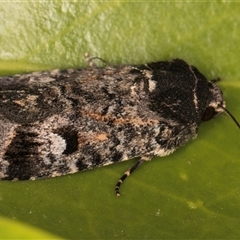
<point>216,105</point>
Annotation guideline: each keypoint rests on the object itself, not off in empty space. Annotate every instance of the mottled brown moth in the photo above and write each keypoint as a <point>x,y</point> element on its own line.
<point>58,122</point>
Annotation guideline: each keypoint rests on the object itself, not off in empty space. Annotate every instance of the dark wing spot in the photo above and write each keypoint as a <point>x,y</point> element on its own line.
<point>71,138</point>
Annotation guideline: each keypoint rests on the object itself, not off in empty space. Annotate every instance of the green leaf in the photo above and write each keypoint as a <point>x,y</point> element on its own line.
<point>10,229</point>
<point>193,193</point>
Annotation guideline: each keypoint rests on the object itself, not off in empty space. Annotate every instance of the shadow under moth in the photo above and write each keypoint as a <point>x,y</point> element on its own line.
<point>58,122</point>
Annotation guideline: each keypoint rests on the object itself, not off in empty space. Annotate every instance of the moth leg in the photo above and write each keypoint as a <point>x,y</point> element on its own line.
<point>215,80</point>
<point>89,60</point>
<point>127,174</point>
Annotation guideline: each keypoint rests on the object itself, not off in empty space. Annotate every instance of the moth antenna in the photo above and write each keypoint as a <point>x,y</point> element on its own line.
<point>127,174</point>
<point>89,60</point>
<point>231,116</point>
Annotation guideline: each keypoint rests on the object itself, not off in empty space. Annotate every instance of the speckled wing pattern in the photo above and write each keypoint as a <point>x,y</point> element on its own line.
<point>63,121</point>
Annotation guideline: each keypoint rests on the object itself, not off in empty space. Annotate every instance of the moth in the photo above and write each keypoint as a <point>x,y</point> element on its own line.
<point>59,122</point>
